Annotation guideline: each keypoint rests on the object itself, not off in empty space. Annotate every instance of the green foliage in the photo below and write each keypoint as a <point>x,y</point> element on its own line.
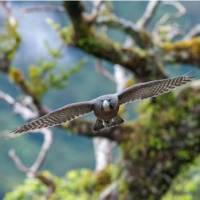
<point>9,39</point>
<point>16,75</point>
<point>163,116</point>
<point>77,184</point>
<point>64,33</point>
<point>154,137</point>
<point>186,185</point>
<point>45,75</point>
<point>31,189</point>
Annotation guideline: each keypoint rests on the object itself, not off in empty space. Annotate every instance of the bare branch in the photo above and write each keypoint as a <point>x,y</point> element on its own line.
<point>28,114</point>
<point>44,8</point>
<point>47,134</point>
<point>84,128</point>
<point>182,51</point>
<point>7,7</point>
<point>103,70</point>
<point>98,5</point>
<point>194,32</point>
<point>116,22</point>
<point>180,11</point>
<point>103,152</point>
<point>122,24</point>
<point>18,108</point>
<point>168,24</point>
<point>4,63</point>
<point>110,193</point>
<point>134,58</point>
<point>148,14</point>
<point>113,21</point>
<point>48,182</point>
<point>23,85</point>
<point>20,166</point>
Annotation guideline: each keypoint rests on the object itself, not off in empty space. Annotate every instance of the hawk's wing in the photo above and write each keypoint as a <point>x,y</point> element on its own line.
<point>57,117</point>
<point>151,89</point>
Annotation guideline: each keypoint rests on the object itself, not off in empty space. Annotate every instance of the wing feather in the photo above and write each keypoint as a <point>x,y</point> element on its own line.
<point>151,89</point>
<point>57,117</point>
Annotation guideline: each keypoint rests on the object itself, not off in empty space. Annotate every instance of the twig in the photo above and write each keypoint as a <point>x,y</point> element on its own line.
<point>97,7</point>
<point>28,114</point>
<point>103,70</point>
<point>44,8</point>
<point>32,171</point>
<point>125,25</point>
<point>120,23</point>
<point>194,32</point>
<point>47,134</point>
<point>20,166</point>
<point>148,14</point>
<point>4,63</point>
<point>49,183</point>
<point>7,8</point>
<point>18,108</point>
<point>180,11</point>
<point>166,21</point>
<point>102,46</point>
<point>110,192</point>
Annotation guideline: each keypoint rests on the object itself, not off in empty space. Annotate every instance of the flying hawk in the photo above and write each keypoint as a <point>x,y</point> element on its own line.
<point>106,107</point>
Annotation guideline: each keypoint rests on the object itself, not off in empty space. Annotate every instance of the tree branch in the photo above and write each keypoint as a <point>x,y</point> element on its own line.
<point>32,171</point>
<point>186,51</point>
<point>27,114</point>
<point>44,8</point>
<point>194,32</point>
<point>125,25</point>
<point>97,7</point>
<point>18,108</point>
<point>47,134</point>
<point>103,71</point>
<point>149,13</point>
<point>167,17</point>
<point>48,182</point>
<point>84,37</point>
<point>163,142</point>
<point>110,193</point>
<point>20,166</point>
<point>44,179</point>
<point>84,128</point>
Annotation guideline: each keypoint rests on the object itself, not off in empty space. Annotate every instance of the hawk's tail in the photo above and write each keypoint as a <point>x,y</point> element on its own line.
<point>101,125</point>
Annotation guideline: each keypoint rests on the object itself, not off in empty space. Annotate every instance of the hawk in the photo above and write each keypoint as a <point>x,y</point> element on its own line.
<point>105,107</point>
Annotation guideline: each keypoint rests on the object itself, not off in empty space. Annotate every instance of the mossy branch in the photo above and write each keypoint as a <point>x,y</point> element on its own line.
<point>186,51</point>
<point>165,139</point>
<point>85,37</point>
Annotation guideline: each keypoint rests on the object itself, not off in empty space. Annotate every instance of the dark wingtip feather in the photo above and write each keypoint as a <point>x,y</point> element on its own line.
<point>9,135</point>
<point>188,78</point>
<point>15,131</point>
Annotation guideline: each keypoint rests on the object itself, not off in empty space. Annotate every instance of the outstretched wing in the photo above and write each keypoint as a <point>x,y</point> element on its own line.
<point>57,117</point>
<point>151,89</point>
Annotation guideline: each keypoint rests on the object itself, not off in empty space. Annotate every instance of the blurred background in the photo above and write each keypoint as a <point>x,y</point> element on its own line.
<point>40,45</point>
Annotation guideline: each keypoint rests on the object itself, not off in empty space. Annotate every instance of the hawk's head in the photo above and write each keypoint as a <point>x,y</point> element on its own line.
<point>109,104</point>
